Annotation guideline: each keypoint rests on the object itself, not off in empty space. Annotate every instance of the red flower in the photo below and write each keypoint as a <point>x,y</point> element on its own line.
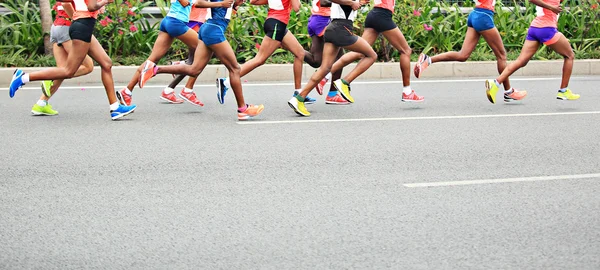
<point>257,46</point>
<point>594,6</point>
<point>427,27</point>
<point>120,32</point>
<point>130,13</point>
<point>417,13</point>
<point>132,28</point>
<point>104,22</point>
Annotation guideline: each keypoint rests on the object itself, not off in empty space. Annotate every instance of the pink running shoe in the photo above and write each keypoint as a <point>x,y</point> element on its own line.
<point>123,97</point>
<point>422,64</point>
<point>148,71</point>
<point>515,95</point>
<point>171,98</point>
<point>336,100</point>
<point>321,85</point>
<point>412,97</point>
<point>191,98</point>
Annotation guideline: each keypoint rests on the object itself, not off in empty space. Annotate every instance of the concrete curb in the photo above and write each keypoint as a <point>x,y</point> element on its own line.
<point>283,72</point>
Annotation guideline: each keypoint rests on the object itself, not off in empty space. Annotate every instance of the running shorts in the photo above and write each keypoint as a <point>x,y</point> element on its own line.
<point>317,25</point>
<point>546,35</point>
<point>173,27</point>
<point>380,19</point>
<point>211,33</point>
<point>194,25</point>
<point>82,29</point>
<point>275,29</point>
<point>59,34</point>
<point>481,19</point>
<point>339,32</point>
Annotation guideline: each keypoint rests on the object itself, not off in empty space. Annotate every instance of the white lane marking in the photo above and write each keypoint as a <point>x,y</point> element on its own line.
<point>289,84</point>
<point>504,180</point>
<point>440,117</point>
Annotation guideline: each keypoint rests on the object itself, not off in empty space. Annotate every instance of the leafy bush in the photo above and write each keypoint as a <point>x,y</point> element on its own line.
<point>429,26</point>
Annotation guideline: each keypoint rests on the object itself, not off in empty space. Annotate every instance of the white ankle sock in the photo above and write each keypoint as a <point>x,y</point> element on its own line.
<point>407,90</point>
<point>114,106</point>
<point>25,78</point>
<point>168,90</point>
<point>42,102</point>
<point>226,82</point>
<point>187,90</point>
<point>328,76</point>
<point>127,91</point>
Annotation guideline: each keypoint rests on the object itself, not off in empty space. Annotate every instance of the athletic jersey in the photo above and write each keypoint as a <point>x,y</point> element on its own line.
<point>180,12</point>
<point>62,18</point>
<point>81,10</point>
<point>387,4</point>
<point>317,9</point>
<point>545,17</point>
<point>280,10</point>
<point>486,4</point>
<point>342,12</point>
<point>198,14</point>
<point>220,16</point>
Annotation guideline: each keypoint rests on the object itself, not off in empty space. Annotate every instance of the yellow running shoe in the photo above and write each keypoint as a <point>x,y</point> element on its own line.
<point>43,110</point>
<point>298,107</point>
<point>491,89</point>
<point>46,88</point>
<point>344,90</point>
<point>567,95</point>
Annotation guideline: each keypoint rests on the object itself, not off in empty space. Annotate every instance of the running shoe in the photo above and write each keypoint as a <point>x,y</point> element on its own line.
<point>148,71</point>
<point>251,111</point>
<point>46,88</point>
<point>298,107</point>
<point>123,97</point>
<point>422,64</point>
<point>16,82</point>
<point>307,100</point>
<point>170,98</point>
<point>412,97</point>
<point>491,89</point>
<point>344,90</point>
<point>567,95</point>
<point>221,90</point>
<point>321,85</point>
<point>515,95</point>
<point>43,110</point>
<point>122,111</point>
<point>191,98</point>
<point>336,100</point>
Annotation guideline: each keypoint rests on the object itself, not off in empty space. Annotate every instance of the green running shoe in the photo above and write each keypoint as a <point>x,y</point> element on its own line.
<point>46,85</point>
<point>43,110</point>
<point>567,95</point>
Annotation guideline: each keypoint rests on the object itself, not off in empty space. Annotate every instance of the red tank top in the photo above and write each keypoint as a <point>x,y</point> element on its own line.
<point>387,4</point>
<point>62,18</point>
<point>317,9</point>
<point>81,10</point>
<point>280,10</point>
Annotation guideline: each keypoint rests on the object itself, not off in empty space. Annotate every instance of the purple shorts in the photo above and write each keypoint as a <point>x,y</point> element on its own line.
<point>194,25</point>
<point>317,25</point>
<point>546,35</point>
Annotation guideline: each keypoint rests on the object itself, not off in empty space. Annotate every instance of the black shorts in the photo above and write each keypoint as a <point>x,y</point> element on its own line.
<point>339,32</point>
<point>275,29</point>
<point>82,29</point>
<point>380,19</point>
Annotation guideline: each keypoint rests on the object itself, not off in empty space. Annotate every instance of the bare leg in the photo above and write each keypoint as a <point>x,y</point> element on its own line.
<point>161,46</point>
<point>180,77</point>
<point>267,48</point>
<point>493,39</point>
<point>97,53</point>
<point>74,60</point>
<point>363,47</point>
<point>528,50</point>
<point>471,40</point>
<point>225,53</point>
<point>397,39</point>
<point>313,58</point>
<point>291,44</point>
<point>329,54</point>
<point>201,58</point>
<point>369,35</point>
<point>563,47</point>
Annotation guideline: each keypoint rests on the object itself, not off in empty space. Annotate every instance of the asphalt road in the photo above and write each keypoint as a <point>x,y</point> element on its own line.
<point>180,187</point>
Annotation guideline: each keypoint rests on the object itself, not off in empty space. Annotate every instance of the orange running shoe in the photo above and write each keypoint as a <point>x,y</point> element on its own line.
<point>515,95</point>
<point>412,97</point>
<point>148,71</point>
<point>336,100</point>
<point>251,111</point>
<point>422,64</point>
<point>191,98</point>
<point>123,97</point>
<point>170,98</point>
<point>321,85</point>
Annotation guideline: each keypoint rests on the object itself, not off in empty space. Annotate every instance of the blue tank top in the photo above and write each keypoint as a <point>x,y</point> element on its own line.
<point>180,12</point>
<point>220,16</point>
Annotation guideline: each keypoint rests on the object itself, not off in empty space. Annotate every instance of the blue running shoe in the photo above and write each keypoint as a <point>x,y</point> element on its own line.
<point>307,99</point>
<point>16,82</point>
<point>221,90</point>
<point>122,111</point>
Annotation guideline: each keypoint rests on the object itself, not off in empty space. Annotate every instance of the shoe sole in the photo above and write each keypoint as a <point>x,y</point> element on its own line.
<point>309,102</point>
<point>412,101</point>
<point>123,114</point>
<point>337,103</point>
<point>184,98</point>
<point>170,101</point>
<point>487,92</point>
<point>42,114</point>
<point>295,110</point>
<point>220,92</point>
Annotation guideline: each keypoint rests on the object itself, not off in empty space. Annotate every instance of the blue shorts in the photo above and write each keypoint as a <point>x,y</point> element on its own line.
<point>211,33</point>
<point>173,27</point>
<point>481,19</point>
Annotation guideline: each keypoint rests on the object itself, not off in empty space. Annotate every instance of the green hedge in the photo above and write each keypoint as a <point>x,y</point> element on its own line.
<point>429,26</point>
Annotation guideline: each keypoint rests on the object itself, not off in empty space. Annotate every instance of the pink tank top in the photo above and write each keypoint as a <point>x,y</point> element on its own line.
<point>545,17</point>
<point>486,4</point>
<point>387,4</point>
